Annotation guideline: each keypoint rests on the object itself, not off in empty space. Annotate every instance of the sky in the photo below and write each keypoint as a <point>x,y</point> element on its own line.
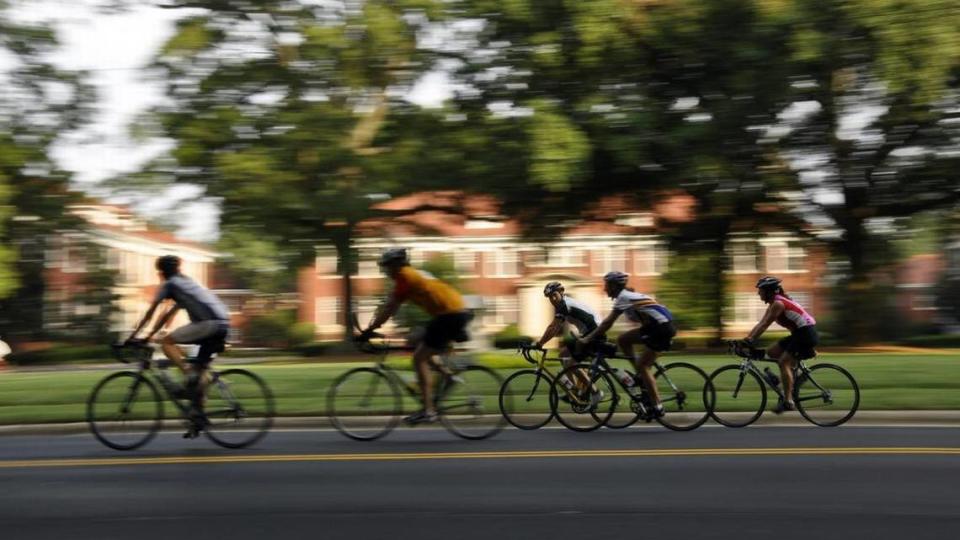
<point>115,48</point>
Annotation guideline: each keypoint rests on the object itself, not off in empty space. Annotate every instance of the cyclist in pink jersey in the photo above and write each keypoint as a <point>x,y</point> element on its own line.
<point>799,345</point>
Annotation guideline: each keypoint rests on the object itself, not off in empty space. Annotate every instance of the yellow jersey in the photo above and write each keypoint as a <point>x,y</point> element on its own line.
<point>426,291</point>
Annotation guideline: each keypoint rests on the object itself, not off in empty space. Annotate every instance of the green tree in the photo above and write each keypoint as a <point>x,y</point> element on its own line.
<point>38,103</point>
<point>275,111</point>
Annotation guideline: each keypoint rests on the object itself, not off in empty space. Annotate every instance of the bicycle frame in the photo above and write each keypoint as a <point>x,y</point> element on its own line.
<point>600,361</point>
<point>800,371</point>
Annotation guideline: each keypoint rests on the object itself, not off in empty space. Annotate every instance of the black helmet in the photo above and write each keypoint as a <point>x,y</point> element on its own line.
<point>168,265</point>
<point>394,255</point>
<point>616,277</point>
<point>552,287</point>
<point>768,282</point>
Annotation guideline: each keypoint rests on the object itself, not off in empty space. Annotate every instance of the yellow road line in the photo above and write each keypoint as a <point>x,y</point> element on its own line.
<point>412,456</point>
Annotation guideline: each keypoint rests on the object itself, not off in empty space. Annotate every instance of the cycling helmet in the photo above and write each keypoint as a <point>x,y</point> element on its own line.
<point>552,287</point>
<point>616,277</point>
<point>394,255</point>
<point>168,265</point>
<point>768,282</point>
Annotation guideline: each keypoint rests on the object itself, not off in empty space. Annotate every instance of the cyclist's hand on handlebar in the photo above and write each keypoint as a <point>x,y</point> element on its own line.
<point>365,336</point>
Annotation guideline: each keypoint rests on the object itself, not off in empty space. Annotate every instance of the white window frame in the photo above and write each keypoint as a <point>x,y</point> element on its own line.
<point>460,260</point>
<point>790,251</point>
<point>603,260</point>
<point>500,261</point>
<point>324,306</point>
<point>748,260</point>
<point>501,311</point>
<point>654,256</point>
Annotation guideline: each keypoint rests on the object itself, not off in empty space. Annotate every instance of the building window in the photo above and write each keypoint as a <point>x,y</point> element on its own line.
<point>501,263</point>
<point>327,311</point>
<point>785,258</point>
<point>465,262</point>
<point>563,256</point>
<point>367,266</point>
<point>650,261</point>
<point>745,257</point>
<point>747,308</point>
<point>609,260</point>
<point>500,311</point>
<point>366,307</point>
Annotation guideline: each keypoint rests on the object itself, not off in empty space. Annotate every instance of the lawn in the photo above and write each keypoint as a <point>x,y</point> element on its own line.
<point>887,381</point>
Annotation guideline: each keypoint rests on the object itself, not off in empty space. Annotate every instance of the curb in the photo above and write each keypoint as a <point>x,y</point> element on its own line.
<point>862,419</point>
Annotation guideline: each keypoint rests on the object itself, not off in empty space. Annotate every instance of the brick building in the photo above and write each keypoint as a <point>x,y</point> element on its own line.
<point>505,274</point>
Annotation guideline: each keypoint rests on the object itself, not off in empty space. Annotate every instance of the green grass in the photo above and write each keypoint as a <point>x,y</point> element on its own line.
<point>887,381</point>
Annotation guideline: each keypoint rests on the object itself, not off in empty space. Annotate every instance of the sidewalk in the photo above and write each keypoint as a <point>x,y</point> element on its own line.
<point>862,419</point>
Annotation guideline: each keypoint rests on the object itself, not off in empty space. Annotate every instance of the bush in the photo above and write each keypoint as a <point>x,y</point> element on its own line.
<point>279,329</point>
<point>62,354</point>
<point>933,341</point>
<point>314,349</point>
<point>510,338</point>
<point>300,334</point>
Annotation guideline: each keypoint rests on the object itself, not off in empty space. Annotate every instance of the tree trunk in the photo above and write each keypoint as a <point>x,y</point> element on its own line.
<point>344,245</point>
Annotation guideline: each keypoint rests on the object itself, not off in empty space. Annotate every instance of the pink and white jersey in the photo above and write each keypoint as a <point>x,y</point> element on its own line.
<point>793,316</point>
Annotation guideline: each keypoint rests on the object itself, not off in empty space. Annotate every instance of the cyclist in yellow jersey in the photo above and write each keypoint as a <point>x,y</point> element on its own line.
<point>441,301</point>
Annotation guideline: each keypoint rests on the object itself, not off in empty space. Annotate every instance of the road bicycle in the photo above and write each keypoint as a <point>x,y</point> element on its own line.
<point>825,394</point>
<point>588,395</point>
<point>125,409</point>
<point>365,403</point>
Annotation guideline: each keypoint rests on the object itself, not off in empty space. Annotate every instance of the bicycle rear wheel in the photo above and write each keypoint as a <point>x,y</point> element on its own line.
<point>239,408</point>
<point>467,403</point>
<point>739,398</point>
<point>686,394</point>
<point>364,404</point>
<point>827,395</point>
<point>588,403</point>
<point>525,399</point>
<point>124,410</point>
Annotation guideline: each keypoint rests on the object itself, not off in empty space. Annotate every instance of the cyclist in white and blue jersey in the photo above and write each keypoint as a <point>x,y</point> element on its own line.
<point>655,333</point>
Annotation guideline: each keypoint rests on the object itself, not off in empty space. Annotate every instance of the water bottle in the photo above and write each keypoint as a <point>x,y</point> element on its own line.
<point>410,381</point>
<point>773,379</point>
<point>566,382</point>
<point>624,377</point>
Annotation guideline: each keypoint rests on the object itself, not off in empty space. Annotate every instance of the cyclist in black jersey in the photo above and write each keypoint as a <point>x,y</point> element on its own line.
<point>570,312</point>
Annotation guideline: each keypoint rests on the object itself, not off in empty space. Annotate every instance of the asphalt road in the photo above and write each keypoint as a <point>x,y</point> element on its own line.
<point>771,482</point>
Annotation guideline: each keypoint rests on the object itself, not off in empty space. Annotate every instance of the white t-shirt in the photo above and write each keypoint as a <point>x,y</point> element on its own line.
<point>638,307</point>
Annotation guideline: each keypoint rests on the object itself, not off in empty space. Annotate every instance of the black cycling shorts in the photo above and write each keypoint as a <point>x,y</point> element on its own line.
<point>658,337</point>
<point>801,342</point>
<point>447,328</point>
<point>582,352</point>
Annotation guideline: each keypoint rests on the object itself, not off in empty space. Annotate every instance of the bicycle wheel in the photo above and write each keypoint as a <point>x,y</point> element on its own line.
<point>467,403</point>
<point>739,398</point>
<point>124,410</point>
<point>238,408</point>
<point>827,395</point>
<point>588,402</point>
<point>525,399</point>
<point>686,394</point>
<point>364,404</point>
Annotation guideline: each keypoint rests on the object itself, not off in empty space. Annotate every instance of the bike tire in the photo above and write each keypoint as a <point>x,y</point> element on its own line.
<point>519,403</point>
<point>841,385</point>
<point>464,403</point>
<point>739,396</point>
<point>683,384</point>
<point>239,408</point>
<point>584,411</point>
<point>354,417</point>
<point>123,388</point>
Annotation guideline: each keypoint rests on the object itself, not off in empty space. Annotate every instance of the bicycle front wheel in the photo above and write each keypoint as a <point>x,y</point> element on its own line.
<point>739,397</point>
<point>525,399</point>
<point>686,394</point>
<point>467,403</point>
<point>581,401</point>
<point>124,411</point>
<point>238,408</point>
<point>827,395</point>
<point>364,404</point>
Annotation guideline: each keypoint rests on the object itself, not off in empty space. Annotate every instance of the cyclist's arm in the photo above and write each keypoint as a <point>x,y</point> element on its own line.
<point>552,330</point>
<point>147,317</point>
<point>604,326</point>
<point>164,320</point>
<point>773,311</point>
<point>387,310</point>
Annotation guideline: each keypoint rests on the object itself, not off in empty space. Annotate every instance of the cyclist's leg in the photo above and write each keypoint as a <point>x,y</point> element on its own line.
<point>787,364</point>
<point>170,349</point>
